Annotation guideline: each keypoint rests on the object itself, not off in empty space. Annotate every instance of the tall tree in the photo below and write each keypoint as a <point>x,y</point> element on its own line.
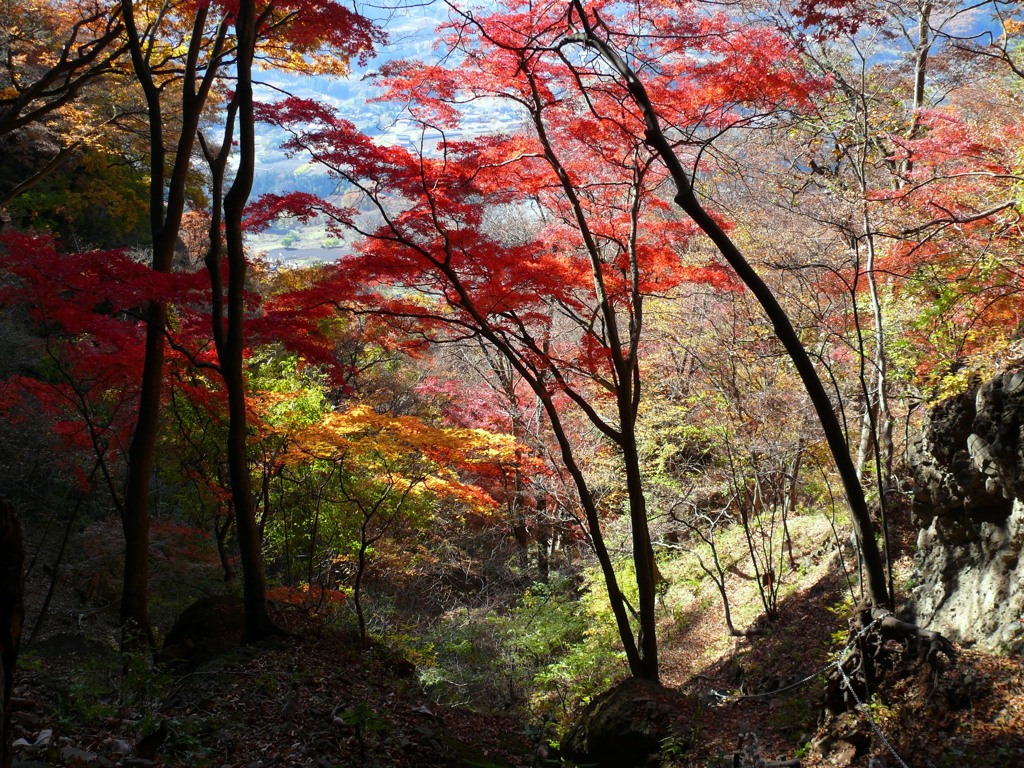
<point>295,34</point>
<point>592,36</point>
<point>592,33</point>
<point>167,200</point>
<point>563,306</point>
<point>229,333</point>
<point>12,614</point>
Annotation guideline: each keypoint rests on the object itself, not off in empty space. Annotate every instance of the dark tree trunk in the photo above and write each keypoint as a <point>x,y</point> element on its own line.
<point>167,197</point>
<point>643,551</point>
<point>685,198</point>
<point>257,620</point>
<point>357,585</point>
<point>12,614</point>
<point>639,665</point>
<point>874,567</point>
<point>136,629</point>
<point>55,575</point>
<point>223,529</point>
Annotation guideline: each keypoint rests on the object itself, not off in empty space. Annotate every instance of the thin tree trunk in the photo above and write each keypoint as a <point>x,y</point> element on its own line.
<point>12,614</point>
<point>784,331</point>
<point>866,443</point>
<point>791,496</point>
<point>718,576</point>
<point>135,625</point>
<point>881,424</point>
<point>357,584</point>
<point>222,530</point>
<point>617,601</point>
<point>643,556</point>
<point>257,619</point>
<point>58,561</point>
<point>921,52</point>
<point>167,195</point>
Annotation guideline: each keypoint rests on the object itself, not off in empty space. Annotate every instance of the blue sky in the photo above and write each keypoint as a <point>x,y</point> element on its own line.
<point>411,36</point>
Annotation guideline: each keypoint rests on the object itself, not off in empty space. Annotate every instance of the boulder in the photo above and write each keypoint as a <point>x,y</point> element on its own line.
<point>626,727</point>
<point>205,629</point>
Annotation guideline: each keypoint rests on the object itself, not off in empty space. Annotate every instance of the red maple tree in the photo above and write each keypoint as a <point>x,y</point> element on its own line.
<point>563,299</point>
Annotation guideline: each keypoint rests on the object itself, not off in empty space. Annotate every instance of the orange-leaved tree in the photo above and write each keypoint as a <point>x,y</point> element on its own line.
<point>51,51</point>
<point>396,474</point>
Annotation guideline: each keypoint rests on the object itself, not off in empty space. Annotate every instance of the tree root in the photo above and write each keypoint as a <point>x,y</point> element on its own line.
<point>893,628</point>
<point>881,640</point>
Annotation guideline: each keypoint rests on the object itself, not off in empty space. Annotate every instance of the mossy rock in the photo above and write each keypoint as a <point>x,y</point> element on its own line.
<point>207,628</point>
<point>625,727</point>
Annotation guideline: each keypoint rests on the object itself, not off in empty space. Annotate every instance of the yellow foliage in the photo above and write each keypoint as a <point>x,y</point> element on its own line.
<point>277,56</point>
<point>407,453</point>
<point>1013,27</point>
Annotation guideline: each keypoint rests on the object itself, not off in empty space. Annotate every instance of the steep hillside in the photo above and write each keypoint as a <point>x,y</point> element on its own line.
<point>317,699</point>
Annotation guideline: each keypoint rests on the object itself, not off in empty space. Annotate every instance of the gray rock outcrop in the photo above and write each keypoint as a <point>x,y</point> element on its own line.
<point>968,470</point>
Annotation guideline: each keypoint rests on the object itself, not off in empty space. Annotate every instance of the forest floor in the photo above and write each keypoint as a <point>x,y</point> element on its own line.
<point>970,715</point>
<point>299,701</point>
<point>315,698</point>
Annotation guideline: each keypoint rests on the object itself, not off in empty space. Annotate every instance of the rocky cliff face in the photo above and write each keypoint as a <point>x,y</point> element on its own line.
<point>968,470</point>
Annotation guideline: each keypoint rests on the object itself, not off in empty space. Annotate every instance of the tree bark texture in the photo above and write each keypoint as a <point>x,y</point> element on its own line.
<point>258,623</point>
<point>12,614</point>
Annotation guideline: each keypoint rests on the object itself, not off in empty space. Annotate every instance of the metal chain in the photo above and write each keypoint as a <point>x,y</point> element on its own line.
<point>723,697</point>
<point>838,665</point>
<point>871,722</point>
